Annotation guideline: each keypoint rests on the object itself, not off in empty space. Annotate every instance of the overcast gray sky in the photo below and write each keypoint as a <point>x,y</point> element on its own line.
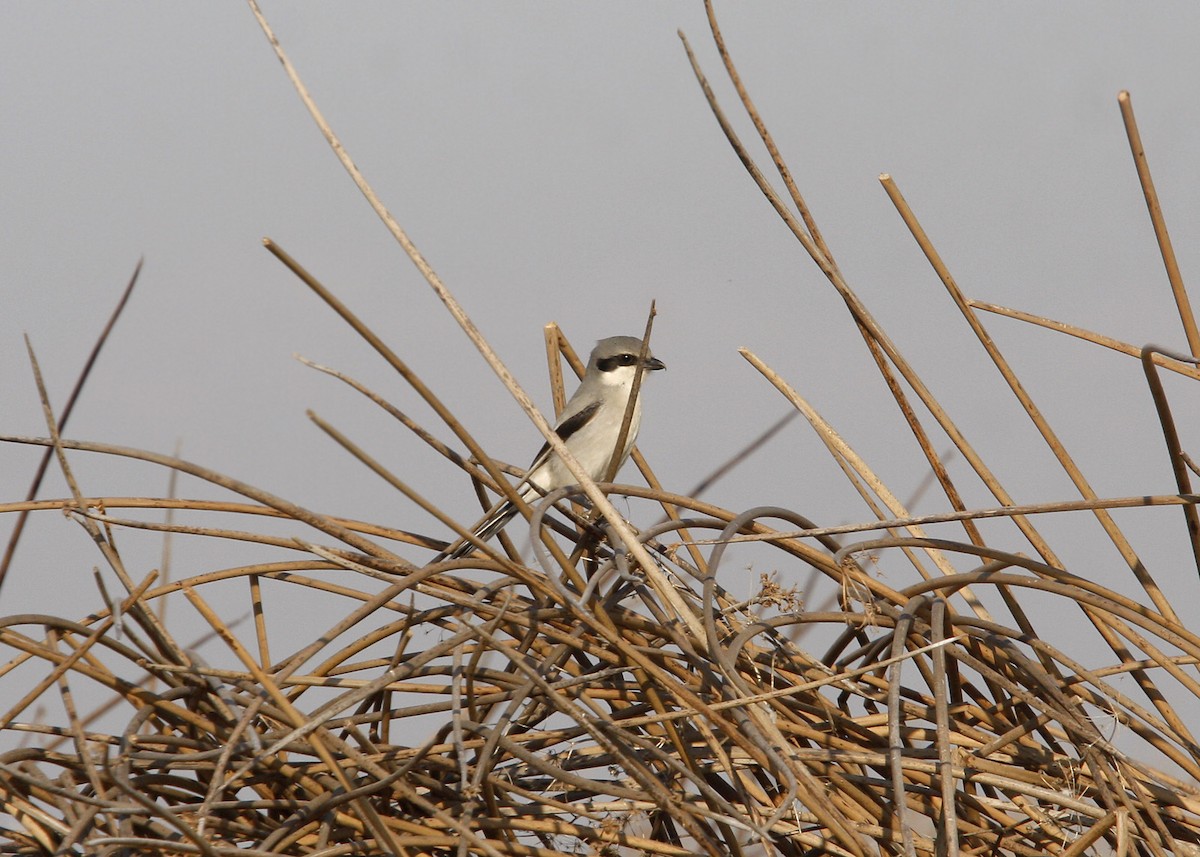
<point>557,162</point>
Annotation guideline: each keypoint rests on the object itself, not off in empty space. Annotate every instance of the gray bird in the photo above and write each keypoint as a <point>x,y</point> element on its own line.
<point>589,426</point>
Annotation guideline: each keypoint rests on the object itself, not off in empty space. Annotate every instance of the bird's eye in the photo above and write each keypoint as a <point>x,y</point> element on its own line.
<point>628,359</point>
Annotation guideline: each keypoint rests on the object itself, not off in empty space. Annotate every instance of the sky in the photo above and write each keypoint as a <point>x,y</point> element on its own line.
<point>558,163</point>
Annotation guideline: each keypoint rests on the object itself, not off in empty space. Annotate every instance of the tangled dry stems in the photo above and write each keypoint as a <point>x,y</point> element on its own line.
<point>611,696</point>
<point>513,709</point>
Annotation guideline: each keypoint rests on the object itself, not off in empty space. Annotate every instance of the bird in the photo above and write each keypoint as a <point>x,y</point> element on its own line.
<point>589,425</point>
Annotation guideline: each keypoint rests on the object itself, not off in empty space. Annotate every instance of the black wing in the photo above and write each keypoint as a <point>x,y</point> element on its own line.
<point>495,522</point>
<point>577,421</point>
<point>565,429</point>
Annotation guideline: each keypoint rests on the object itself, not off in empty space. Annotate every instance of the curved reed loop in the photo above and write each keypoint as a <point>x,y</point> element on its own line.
<point>614,690</point>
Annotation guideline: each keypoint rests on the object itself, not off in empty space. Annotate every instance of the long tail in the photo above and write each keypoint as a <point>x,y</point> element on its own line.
<point>490,525</point>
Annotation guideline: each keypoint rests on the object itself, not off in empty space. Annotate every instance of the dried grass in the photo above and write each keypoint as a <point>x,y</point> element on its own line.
<point>611,696</point>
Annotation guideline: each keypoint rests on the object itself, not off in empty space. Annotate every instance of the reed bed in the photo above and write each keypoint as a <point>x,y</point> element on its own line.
<point>606,694</point>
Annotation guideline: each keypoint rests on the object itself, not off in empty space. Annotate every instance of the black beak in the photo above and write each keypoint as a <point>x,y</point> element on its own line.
<point>654,364</point>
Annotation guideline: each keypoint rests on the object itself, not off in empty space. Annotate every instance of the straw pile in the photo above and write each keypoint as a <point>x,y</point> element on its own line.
<point>609,695</point>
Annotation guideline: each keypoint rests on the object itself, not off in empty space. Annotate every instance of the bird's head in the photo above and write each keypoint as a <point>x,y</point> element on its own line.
<point>614,360</point>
